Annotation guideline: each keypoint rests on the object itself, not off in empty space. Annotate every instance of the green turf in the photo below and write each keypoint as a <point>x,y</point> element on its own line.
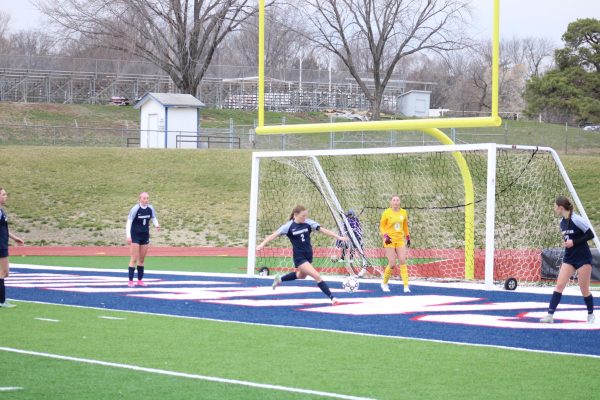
<point>383,368</point>
<point>186,264</point>
<point>44,378</point>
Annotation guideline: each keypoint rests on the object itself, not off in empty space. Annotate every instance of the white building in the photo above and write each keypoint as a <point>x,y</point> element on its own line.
<point>169,120</point>
<point>414,103</point>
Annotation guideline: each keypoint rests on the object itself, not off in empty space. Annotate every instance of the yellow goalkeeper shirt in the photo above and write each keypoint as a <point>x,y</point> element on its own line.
<point>395,224</point>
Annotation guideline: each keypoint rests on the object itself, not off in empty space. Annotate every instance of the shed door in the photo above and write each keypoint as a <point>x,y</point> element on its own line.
<point>153,133</point>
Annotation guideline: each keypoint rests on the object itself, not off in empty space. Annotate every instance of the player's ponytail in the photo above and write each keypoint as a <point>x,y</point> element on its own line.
<point>565,203</point>
<point>297,210</point>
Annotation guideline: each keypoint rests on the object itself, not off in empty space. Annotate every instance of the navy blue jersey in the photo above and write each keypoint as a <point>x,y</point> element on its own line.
<point>138,220</point>
<point>3,230</point>
<point>574,228</point>
<point>299,234</point>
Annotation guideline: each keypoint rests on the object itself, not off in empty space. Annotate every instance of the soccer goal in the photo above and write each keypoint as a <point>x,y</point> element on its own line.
<point>476,212</point>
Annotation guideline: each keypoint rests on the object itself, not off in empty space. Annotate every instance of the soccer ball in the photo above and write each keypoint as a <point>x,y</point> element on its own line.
<point>334,258</point>
<point>350,284</point>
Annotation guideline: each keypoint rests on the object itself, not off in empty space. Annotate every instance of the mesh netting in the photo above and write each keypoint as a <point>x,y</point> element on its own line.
<point>432,190</point>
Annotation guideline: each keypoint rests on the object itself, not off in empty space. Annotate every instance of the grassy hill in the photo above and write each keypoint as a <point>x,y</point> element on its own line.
<point>109,116</point>
<point>81,196</point>
<point>106,125</point>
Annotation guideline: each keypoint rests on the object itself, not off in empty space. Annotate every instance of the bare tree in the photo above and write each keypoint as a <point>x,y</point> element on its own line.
<point>179,36</point>
<point>282,44</point>
<point>536,51</point>
<point>31,43</point>
<point>4,24</point>
<point>386,30</point>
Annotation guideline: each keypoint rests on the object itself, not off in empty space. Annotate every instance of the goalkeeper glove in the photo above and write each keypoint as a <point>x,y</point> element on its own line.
<point>387,239</point>
<point>407,240</point>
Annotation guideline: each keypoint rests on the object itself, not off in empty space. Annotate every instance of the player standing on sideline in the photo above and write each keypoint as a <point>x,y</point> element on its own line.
<point>393,228</point>
<point>4,235</point>
<point>576,232</point>
<point>138,236</point>
<point>298,230</point>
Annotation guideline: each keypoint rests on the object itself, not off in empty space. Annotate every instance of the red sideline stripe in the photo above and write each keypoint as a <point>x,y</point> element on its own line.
<point>124,251</point>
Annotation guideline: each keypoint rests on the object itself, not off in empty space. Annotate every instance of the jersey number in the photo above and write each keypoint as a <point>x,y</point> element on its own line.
<point>144,222</point>
<point>302,237</point>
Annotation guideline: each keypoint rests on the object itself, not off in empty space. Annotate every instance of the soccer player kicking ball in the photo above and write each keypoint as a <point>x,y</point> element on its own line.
<point>393,228</point>
<point>576,232</point>
<point>298,230</point>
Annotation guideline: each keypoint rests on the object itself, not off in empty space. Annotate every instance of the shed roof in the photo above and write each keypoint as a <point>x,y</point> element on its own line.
<point>171,100</point>
<point>411,92</point>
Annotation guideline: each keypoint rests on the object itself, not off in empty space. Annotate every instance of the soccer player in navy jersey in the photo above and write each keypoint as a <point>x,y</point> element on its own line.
<point>576,232</point>
<point>4,236</point>
<point>138,236</point>
<point>298,230</point>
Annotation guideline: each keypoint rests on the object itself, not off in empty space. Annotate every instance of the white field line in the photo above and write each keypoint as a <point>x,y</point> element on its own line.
<point>184,375</point>
<point>113,318</point>
<point>47,319</point>
<point>10,389</point>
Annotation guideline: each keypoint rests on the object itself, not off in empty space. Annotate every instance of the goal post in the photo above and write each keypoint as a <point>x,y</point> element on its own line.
<point>513,188</point>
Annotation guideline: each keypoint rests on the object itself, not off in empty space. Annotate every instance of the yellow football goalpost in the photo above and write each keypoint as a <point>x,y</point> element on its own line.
<point>430,126</point>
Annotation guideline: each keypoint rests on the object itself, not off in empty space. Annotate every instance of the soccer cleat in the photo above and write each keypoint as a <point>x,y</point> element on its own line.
<point>548,319</point>
<point>276,281</point>
<point>362,272</point>
<point>335,301</point>
<point>141,283</point>
<point>385,287</point>
<point>406,289</point>
<point>6,304</point>
<point>130,284</point>
<point>591,318</point>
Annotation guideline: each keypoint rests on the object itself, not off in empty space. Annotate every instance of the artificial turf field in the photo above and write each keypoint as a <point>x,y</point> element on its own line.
<point>167,348</point>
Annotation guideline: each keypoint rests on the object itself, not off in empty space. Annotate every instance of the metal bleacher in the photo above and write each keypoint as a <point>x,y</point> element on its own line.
<point>52,86</point>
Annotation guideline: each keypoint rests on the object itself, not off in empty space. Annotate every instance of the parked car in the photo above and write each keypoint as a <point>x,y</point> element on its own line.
<point>119,101</point>
<point>591,128</point>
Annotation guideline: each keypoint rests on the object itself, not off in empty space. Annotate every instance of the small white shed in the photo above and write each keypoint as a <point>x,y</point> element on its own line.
<point>167,116</point>
<point>414,103</point>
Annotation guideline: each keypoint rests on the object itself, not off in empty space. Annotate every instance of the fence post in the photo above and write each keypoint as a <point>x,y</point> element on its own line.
<point>230,133</point>
<point>566,139</point>
<point>506,132</point>
<point>331,134</point>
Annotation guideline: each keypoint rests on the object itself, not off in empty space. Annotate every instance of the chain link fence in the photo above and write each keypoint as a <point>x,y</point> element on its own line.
<point>565,139</point>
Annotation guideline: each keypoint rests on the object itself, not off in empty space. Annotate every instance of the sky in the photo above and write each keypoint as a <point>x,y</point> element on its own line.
<point>518,18</point>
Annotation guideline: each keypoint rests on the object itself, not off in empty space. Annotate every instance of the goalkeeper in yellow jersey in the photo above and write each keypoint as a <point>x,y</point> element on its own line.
<point>393,228</point>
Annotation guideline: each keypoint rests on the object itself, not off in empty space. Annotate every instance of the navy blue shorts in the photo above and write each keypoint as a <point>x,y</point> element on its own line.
<point>578,262</point>
<point>3,253</point>
<point>140,238</point>
<point>301,258</point>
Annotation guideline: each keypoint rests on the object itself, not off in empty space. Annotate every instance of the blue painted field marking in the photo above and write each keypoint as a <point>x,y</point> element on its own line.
<point>431,312</point>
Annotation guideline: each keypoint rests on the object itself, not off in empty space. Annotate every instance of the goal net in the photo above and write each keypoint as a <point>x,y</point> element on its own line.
<point>476,212</point>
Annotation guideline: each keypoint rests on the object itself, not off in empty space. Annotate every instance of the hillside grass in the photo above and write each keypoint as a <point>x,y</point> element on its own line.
<point>81,196</point>
<point>111,125</point>
<point>110,116</point>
